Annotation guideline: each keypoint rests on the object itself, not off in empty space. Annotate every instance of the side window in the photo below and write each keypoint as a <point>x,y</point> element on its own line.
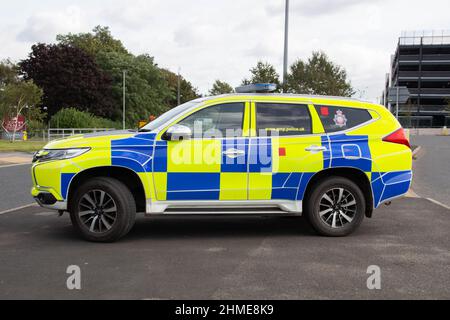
<point>336,119</point>
<point>282,119</point>
<point>219,120</point>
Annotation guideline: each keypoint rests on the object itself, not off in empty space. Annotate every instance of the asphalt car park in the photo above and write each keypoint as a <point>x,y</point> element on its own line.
<point>227,257</point>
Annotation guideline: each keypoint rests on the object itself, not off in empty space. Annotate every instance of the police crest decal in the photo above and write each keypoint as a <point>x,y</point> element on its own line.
<point>340,119</point>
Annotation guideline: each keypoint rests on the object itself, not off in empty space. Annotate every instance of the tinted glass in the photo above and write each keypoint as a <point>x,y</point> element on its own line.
<point>336,119</point>
<point>170,115</point>
<point>282,119</point>
<point>222,119</point>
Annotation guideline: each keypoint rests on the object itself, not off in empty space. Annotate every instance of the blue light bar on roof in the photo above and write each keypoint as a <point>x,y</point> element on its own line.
<point>257,88</point>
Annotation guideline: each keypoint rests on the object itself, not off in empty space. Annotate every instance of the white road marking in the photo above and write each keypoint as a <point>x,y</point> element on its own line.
<point>439,203</point>
<point>15,165</point>
<point>19,208</point>
<point>412,194</point>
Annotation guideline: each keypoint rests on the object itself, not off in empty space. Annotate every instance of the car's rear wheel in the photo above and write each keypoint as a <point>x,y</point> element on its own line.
<point>336,207</point>
<point>103,210</point>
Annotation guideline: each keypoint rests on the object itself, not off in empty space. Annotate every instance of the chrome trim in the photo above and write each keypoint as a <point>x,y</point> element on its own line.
<point>59,205</point>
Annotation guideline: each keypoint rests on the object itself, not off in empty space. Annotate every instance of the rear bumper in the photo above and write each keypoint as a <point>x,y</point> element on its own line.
<point>388,186</point>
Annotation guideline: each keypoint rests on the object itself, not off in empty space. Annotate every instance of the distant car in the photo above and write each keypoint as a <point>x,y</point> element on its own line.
<point>333,159</point>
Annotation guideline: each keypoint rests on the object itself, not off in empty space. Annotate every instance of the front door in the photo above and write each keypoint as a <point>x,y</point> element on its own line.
<point>212,165</point>
<point>284,153</point>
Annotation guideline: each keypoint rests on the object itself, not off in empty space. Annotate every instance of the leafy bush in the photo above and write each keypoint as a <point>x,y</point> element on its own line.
<point>35,128</point>
<point>73,118</point>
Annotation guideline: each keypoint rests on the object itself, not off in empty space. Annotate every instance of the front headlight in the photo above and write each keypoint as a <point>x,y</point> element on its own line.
<point>59,154</point>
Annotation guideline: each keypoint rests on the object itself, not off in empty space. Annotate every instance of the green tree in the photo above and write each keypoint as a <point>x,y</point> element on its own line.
<point>264,72</point>
<point>319,76</point>
<point>73,118</point>
<point>220,87</point>
<point>8,73</point>
<point>187,91</point>
<point>146,90</point>
<point>100,40</point>
<point>21,98</point>
<point>69,77</point>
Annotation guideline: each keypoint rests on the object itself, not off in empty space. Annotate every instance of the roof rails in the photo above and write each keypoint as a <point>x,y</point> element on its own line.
<point>257,88</point>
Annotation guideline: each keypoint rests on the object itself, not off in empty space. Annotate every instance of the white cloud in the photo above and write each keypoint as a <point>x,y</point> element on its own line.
<point>130,14</point>
<point>223,39</point>
<point>316,7</point>
<point>45,25</point>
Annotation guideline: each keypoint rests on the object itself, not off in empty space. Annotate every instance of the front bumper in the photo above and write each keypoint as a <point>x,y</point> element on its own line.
<point>46,198</point>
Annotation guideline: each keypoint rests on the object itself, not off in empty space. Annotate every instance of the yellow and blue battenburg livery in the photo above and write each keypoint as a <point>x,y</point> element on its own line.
<point>283,146</point>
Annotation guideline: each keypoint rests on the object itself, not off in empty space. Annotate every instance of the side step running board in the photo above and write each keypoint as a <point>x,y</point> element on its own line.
<point>230,211</point>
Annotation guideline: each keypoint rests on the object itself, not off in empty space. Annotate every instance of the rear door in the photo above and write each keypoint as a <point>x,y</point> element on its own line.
<point>285,150</point>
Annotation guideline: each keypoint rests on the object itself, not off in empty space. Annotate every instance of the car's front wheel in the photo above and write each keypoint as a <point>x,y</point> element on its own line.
<point>103,210</point>
<point>336,207</point>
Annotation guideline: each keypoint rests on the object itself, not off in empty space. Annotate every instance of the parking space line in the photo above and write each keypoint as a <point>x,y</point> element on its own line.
<point>439,203</point>
<point>19,208</point>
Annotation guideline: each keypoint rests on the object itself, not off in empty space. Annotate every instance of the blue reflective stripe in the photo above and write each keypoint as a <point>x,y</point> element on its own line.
<point>306,177</point>
<point>193,181</point>
<point>387,185</point>
<point>260,155</point>
<point>198,195</point>
<point>238,164</point>
<point>65,181</point>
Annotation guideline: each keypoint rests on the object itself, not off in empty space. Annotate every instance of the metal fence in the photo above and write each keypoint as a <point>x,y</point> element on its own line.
<point>426,37</point>
<point>58,133</point>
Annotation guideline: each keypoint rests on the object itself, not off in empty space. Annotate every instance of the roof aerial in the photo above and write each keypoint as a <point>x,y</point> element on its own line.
<point>257,88</point>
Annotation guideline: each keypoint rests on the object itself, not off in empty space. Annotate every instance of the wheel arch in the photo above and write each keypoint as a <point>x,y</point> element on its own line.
<point>127,176</point>
<point>356,175</point>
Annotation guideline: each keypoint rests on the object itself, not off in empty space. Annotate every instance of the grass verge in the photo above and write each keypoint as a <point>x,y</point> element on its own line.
<point>22,146</point>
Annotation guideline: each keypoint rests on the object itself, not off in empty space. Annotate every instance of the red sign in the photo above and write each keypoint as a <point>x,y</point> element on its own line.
<point>324,111</point>
<point>16,124</point>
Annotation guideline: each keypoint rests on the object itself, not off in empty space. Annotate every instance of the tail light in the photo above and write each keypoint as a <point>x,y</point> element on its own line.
<point>399,137</point>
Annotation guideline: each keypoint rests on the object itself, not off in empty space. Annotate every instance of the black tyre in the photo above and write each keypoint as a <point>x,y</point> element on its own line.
<point>103,210</point>
<point>336,207</point>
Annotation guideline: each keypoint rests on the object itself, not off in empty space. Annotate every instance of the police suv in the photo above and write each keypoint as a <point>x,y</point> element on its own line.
<point>332,159</point>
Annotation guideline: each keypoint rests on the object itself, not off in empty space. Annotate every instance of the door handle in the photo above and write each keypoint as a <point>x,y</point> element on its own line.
<point>316,149</point>
<point>234,153</point>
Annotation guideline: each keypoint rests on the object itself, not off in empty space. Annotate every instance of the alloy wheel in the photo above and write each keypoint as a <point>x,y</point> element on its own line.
<point>337,207</point>
<point>97,211</point>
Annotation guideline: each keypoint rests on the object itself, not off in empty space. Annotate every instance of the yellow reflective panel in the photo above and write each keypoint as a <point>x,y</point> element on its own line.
<point>317,126</point>
<point>146,179</point>
<point>390,156</point>
<point>289,154</point>
<point>247,118</point>
<point>160,181</point>
<point>260,186</point>
<point>233,186</point>
<point>194,156</point>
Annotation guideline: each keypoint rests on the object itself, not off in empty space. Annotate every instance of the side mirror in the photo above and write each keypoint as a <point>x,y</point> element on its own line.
<point>178,133</point>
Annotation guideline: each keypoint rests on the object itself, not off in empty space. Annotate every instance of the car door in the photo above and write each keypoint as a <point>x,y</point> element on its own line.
<point>285,150</point>
<point>212,165</point>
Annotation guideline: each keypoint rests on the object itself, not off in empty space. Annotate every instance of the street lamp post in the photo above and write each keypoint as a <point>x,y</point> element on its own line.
<point>286,43</point>
<point>179,87</point>
<point>124,100</point>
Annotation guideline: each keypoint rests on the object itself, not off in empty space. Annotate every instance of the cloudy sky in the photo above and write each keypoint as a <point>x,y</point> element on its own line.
<point>222,39</point>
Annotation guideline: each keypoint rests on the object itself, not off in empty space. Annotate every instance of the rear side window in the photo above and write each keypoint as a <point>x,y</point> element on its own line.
<point>336,119</point>
<point>279,119</point>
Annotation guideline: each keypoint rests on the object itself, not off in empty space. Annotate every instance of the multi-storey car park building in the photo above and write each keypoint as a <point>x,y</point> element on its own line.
<point>422,64</point>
